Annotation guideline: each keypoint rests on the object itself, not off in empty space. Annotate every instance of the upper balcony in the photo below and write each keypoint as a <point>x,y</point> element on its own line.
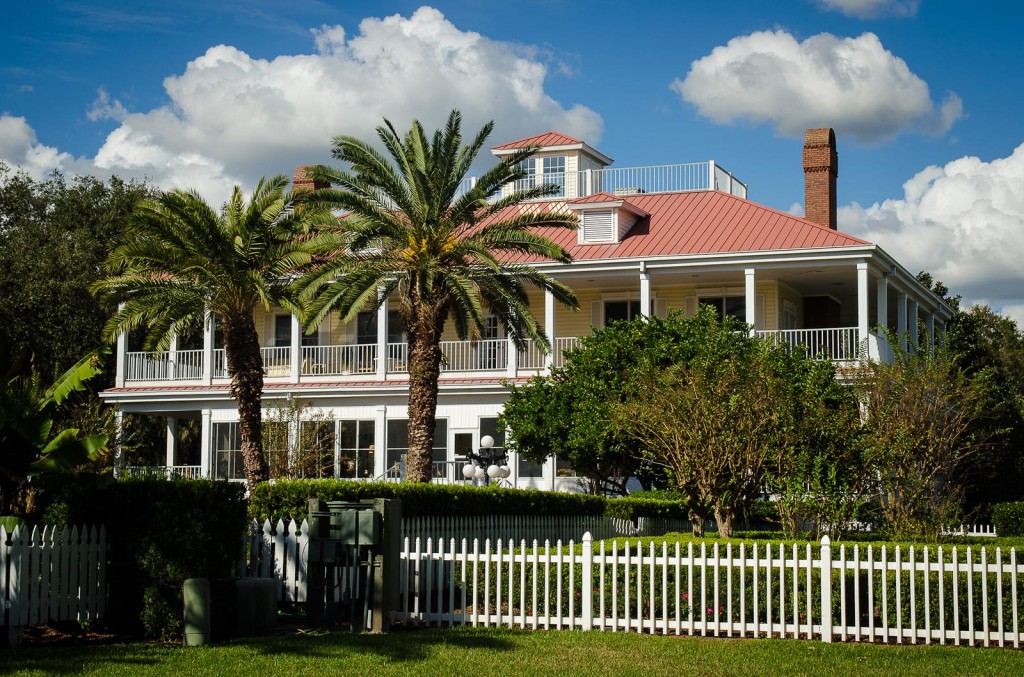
<point>692,176</point>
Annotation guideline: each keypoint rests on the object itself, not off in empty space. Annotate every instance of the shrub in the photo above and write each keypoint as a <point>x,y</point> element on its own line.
<point>1008,518</point>
<point>160,534</point>
<point>288,499</point>
<point>631,508</point>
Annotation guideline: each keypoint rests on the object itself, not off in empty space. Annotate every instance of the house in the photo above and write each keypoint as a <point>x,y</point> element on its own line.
<point>651,239</point>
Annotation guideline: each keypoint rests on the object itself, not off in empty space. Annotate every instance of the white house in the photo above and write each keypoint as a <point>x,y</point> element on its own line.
<point>650,239</point>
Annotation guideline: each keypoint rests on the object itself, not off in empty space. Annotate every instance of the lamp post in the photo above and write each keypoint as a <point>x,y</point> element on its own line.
<point>489,464</point>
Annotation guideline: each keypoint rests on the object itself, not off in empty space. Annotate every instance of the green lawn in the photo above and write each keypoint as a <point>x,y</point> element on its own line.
<point>504,652</point>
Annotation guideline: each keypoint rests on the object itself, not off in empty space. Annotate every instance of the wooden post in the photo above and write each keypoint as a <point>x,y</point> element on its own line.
<point>386,565</point>
<point>587,583</point>
<point>826,590</point>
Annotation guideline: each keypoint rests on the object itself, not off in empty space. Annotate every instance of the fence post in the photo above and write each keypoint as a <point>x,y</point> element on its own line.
<point>587,583</point>
<point>825,562</point>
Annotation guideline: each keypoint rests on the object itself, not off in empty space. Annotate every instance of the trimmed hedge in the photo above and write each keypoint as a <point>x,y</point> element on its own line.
<point>288,499</point>
<point>160,534</point>
<point>1008,519</point>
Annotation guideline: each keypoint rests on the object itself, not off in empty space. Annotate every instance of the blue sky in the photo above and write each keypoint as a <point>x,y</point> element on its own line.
<point>925,97</point>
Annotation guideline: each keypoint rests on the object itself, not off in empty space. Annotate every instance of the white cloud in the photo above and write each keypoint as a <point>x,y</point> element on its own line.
<point>232,118</point>
<point>963,223</point>
<point>106,108</point>
<point>871,9</point>
<point>20,148</point>
<point>852,84</point>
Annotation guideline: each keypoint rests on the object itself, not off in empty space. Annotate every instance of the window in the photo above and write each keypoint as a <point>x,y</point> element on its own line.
<point>529,168</point>
<point>282,331</point>
<point>398,442</point>
<point>620,310</point>
<point>491,354</point>
<point>554,172</point>
<point>356,448</point>
<point>366,327</point>
<point>315,456</point>
<point>227,447</point>
<point>727,306</point>
<point>562,468</point>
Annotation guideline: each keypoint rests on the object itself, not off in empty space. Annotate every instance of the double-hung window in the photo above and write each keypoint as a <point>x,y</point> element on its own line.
<point>554,172</point>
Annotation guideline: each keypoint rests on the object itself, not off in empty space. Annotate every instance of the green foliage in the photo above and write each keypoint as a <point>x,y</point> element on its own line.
<point>160,533</point>
<point>631,507</point>
<point>289,499</point>
<point>439,255</point>
<point>1008,518</point>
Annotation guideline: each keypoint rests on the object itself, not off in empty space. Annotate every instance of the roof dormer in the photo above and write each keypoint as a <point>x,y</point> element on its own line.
<point>560,159</point>
<point>605,218</point>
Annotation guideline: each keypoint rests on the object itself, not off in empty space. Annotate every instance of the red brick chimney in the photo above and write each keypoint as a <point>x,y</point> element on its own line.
<point>821,167</point>
<point>302,182</point>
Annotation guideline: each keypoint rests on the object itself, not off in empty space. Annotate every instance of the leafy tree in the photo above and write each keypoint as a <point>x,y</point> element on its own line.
<point>445,256</point>
<point>179,260</point>
<point>30,443</point>
<point>54,237</point>
<point>921,433</point>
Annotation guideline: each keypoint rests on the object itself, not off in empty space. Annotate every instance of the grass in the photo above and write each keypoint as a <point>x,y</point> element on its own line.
<point>508,652</point>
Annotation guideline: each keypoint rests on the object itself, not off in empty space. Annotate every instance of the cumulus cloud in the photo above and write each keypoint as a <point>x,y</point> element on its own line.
<point>232,118</point>
<point>871,9</point>
<point>855,85</point>
<point>963,223</point>
<point>20,148</point>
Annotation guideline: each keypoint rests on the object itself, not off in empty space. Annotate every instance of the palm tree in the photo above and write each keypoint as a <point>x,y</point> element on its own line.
<point>444,255</point>
<point>180,263</point>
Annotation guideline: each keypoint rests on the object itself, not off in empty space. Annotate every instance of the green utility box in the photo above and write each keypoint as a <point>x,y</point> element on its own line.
<point>354,523</point>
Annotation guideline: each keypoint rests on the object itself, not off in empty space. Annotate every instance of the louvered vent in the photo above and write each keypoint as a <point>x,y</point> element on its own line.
<point>598,226</point>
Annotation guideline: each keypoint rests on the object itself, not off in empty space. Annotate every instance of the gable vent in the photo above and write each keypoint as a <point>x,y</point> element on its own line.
<point>598,226</point>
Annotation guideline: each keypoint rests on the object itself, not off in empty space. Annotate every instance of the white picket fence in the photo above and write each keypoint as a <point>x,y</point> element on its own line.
<point>278,551</point>
<point>52,574</point>
<point>929,594</point>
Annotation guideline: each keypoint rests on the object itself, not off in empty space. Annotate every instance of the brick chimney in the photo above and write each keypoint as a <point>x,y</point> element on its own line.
<point>302,182</point>
<point>821,167</point>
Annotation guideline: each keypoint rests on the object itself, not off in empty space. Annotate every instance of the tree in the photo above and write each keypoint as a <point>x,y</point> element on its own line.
<point>30,443</point>
<point>444,255</point>
<point>179,263</point>
<point>54,237</point>
<point>921,432</point>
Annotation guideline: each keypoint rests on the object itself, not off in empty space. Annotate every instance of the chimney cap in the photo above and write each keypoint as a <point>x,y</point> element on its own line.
<point>820,136</point>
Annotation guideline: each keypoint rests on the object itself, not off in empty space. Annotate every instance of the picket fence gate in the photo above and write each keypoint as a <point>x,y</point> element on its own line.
<point>50,574</point>
<point>896,595</point>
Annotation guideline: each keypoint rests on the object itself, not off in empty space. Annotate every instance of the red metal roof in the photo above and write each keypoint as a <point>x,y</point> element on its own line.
<point>545,139</point>
<point>695,222</point>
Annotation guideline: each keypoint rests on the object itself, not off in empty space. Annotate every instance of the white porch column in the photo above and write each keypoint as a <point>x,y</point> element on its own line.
<point>549,327</point>
<point>751,300</point>
<point>121,359</point>
<point>901,318</point>
<point>206,460</point>
<point>379,450</point>
<point>645,291</point>
<point>382,336</point>
<point>912,324</point>
<point>862,303</point>
<point>882,312</point>
<point>929,324</point>
<point>118,449</point>
<point>172,356</point>
<point>512,358</point>
<point>208,348</point>
<point>296,349</point>
<point>172,441</point>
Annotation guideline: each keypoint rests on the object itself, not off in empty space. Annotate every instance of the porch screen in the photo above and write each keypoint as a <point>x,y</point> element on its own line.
<point>355,448</point>
<point>227,448</point>
<point>398,442</point>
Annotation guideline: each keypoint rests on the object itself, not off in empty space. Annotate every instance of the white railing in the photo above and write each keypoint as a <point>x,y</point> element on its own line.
<point>483,355</point>
<point>398,358</point>
<point>531,357</point>
<point>50,574</point>
<point>658,179</point>
<point>561,346</point>
<point>839,345</point>
<point>928,594</point>
<point>341,360</point>
<point>970,530</point>
<point>187,472</point>
<point>178,365</point>
<point>220,363</point>
<point>277,361</point>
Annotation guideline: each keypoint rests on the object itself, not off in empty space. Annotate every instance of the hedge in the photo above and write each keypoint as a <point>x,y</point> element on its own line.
<point>160,534</point>
<point>1008,519</point>
<point>288,499</point>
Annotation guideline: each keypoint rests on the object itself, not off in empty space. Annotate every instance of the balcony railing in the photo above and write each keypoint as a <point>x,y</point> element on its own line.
<point>658,179</point>
<point>360,361</point>
<point>838,345</point>
<point>170,472</point>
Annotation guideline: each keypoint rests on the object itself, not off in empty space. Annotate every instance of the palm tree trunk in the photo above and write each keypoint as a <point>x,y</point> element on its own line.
<point>245,365</point>
<point>424,370</point>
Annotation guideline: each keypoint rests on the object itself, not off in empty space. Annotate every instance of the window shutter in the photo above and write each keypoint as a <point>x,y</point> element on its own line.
<point>691,306</point>
<point>597,226</point>
<point>661,308</point>
<point>597,313</point>
<point>759,319</point>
